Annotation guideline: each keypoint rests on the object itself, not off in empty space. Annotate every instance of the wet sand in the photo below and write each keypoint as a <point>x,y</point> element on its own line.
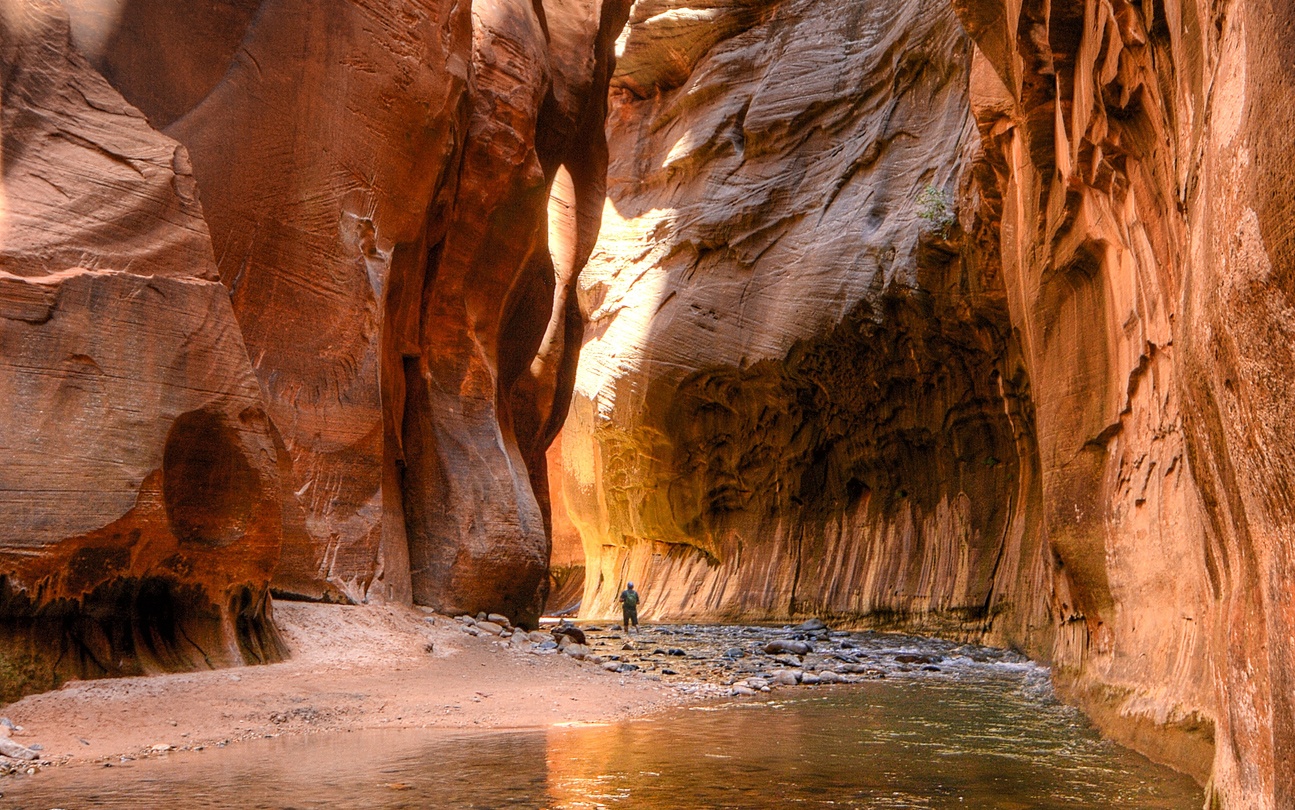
<point>351,668</point>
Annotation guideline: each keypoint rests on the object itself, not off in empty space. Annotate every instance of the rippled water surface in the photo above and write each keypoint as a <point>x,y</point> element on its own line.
<point>977,734</point>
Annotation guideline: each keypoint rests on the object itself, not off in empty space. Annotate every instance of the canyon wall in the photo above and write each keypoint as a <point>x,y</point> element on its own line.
<point>140,518</point>
<point>800,392</point>
<point>1029,384</point>
<point>287,303</point>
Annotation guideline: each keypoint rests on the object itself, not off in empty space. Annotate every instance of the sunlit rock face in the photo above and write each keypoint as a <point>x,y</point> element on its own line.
<point>140,518</point>
<point>1144,197</point>
<point>377,178</point>
<point>797,393</point>
<point>322,328</point>
<point>1062,420</point>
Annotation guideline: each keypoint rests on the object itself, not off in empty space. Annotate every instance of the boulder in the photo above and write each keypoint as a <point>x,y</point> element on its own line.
<point>788,646</point>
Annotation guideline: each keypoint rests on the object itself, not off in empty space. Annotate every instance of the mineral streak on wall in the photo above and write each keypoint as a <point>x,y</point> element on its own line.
<point>1057,413</point>
<point>397,197</point>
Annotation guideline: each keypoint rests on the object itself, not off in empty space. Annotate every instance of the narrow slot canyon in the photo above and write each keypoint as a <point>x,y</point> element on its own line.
<point>943,344</point>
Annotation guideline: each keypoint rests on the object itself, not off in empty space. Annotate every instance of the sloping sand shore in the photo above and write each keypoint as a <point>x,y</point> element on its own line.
<point>351,668</point>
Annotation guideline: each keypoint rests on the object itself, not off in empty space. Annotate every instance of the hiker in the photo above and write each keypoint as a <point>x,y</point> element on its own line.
<point>630,607</point>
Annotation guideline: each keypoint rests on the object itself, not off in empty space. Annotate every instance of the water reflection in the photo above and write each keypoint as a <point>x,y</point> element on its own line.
<point>994,741</point>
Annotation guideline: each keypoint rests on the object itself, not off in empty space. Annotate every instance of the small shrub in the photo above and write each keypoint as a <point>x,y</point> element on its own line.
<point>936,207</point>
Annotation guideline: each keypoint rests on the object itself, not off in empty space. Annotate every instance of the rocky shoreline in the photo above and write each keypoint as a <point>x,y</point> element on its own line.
<point>689,662</point>
<point>739,660</point>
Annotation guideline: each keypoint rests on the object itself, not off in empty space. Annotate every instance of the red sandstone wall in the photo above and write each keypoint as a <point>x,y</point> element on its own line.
<point>774,421</point>
<point>397,197</point>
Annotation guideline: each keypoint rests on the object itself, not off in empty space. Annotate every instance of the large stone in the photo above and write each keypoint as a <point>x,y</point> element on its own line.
<point>140,479</point>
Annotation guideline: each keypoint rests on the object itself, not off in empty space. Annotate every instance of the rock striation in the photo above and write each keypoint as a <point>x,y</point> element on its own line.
<point>1029,383</point>
<point>793,394</point>
<point>1145,249</point>
<point>139,487</point>
<point>288,293</point>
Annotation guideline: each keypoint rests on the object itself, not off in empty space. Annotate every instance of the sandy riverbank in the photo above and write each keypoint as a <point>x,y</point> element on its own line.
<point>351,668</point>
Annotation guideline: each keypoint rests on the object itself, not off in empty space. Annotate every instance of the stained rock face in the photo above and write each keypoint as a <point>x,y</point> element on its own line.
<point>1145,221</point>
<point>1053,408</point>
<point>140,483</point>
<point>396,198</point>
<point>792,394</point>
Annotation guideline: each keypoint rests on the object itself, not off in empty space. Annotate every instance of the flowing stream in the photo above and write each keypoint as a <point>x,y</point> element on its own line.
<point>982,732</point>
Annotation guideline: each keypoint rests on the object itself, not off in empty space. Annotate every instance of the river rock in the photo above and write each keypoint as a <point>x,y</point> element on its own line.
<point>539,636</point>
<point>810,679</point>
<point>828,676</point>
<point>499,619</point>
<point>790,646</point>
<point>743,691</point>
<point>786,677</point>
<point>567,631</point>
<point>13,750</point>
<point>916,658</point>
<point>490,627</point>
<point>811,626</point>
<point>577,651</point>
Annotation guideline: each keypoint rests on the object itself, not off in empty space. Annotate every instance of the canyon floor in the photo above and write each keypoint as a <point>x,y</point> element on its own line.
<point>351,668</point>
<point>355,668</point>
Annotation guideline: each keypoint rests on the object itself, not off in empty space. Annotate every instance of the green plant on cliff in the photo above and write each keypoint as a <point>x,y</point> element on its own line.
<point>936,207</point>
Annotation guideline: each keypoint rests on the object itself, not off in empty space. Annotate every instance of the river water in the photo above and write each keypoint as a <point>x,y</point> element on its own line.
<point>976,734</point>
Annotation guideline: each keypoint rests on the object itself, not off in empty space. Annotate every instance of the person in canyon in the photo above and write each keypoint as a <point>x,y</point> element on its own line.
<point>629,607</point>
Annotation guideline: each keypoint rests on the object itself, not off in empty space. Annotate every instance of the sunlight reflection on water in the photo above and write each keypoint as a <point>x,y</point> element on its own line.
<point>986,736</point>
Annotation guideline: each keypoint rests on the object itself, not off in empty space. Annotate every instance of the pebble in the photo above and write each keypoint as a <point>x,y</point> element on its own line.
<point>786,677</point>
<point>499,619</point>
<point>490,627</point>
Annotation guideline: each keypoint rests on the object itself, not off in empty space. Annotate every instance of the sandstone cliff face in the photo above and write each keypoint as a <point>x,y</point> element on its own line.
<point>397,198</point>
<point>1145,215</point>
<point>377,181</point>
<point>140,484</point>
<point>1061,421</point>
<point>792,396</point>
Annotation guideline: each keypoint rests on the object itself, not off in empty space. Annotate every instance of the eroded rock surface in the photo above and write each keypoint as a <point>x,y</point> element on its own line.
<point>791,397</point>
<point>1146,252</point>
<point>397,197</point>
<point>139,489</point>
<point>1059,418</point>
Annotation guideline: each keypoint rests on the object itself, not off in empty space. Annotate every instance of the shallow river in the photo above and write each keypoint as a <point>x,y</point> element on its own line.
<point>984,734</point>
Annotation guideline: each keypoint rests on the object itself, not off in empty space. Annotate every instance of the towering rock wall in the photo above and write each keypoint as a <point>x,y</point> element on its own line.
<point>797,393</point>
<point>395,197</point>
<point>1058,418</point>
<point>1145,214</point>
<point>140,518</point>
